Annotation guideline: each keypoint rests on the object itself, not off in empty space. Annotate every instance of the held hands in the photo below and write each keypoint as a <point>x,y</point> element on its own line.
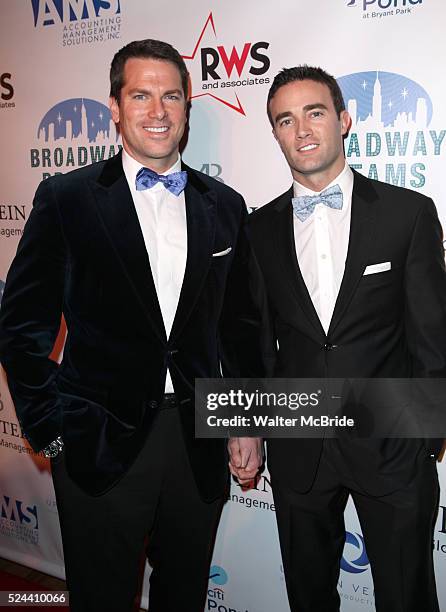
<point>245,458</point>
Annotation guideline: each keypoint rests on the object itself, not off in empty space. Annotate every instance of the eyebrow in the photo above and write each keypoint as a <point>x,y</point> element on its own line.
<point>306,108</point>
<point>142,90</point>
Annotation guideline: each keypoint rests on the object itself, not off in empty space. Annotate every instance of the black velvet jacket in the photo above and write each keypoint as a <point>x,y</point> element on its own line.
<point>82,254</point>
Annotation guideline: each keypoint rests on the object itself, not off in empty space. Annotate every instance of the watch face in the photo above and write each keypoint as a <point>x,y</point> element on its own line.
<point>51,450</point>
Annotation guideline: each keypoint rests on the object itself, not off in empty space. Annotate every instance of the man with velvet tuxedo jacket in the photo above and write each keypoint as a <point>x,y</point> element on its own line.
<point>146,259</point>
<point>356,288</point>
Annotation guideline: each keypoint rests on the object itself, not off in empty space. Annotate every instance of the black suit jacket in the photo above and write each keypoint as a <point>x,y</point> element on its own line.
<point>83,254</point>
<point>386,325</point>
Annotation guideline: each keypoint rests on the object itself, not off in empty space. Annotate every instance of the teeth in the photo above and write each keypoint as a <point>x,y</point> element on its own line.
<point>308,147</point>
<point>156,129</point>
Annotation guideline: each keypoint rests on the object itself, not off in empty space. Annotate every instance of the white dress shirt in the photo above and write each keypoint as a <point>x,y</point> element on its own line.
<point>321,246</point>
<point>162,217</point>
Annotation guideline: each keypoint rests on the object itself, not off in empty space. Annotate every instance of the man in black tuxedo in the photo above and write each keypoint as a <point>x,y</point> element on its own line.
<point>356,288</point>
<point>146,259</point>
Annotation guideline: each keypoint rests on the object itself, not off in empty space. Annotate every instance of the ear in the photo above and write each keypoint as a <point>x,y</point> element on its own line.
<point>346,122</point>
<point>114,109</point>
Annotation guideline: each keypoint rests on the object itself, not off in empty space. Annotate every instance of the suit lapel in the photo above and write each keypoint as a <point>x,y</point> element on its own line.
<point>362,229</point>
<point>201,207</point>
<point>120,222</point>
<point>286,248</point>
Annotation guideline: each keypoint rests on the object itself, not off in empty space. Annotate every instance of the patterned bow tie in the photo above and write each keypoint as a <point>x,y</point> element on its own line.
<point>174,182</point>
<point>303,206</point>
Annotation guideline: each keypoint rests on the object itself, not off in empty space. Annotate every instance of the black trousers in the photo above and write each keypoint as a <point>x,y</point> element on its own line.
<point>154,510</point>
<point>397,528</point>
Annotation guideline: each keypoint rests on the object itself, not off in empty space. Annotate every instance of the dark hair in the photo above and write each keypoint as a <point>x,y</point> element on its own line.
<point>304,73</point>
<point>150,49</point>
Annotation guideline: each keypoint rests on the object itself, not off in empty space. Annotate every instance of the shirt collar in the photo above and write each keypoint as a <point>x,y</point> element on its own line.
<point>344,180</point>
<point>131,168</point>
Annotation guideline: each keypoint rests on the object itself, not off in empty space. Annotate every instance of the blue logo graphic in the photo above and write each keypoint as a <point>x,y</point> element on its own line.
<point>217,575</point>
<point>2,286</point>
<point>361,563</point>
<point>48,12</point>
<point>16,510</point>
<point>75,119</point>
<point>385,99</point>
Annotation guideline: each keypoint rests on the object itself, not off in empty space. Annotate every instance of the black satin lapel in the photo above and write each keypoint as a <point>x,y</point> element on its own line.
<point>286,249</point>
<point>201,219</point>
<point>120,222</point>
<point>362,229</point>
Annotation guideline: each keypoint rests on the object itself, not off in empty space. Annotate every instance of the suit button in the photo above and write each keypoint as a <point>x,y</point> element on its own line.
<point>329,347</point>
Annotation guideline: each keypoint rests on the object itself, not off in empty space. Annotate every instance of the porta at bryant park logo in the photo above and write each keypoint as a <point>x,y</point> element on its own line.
<point>80,21</point>
<point>72,134</point>
<point>221,70</point>
<point>392,136</point>
<point>376,9</point>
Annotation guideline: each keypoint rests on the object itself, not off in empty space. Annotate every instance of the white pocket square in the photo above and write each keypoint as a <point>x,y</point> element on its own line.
<point>379,267</point>
<point>221,253</point>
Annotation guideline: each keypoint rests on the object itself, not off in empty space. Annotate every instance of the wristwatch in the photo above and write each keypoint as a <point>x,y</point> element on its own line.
<point>53,448</point>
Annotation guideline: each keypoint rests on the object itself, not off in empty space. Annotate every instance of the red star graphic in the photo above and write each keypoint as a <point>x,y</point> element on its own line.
<point>239,107</point>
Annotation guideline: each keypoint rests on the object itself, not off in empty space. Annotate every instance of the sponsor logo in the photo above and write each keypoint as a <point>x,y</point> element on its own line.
<point>377,9</point>
<point>79,22</point>
<point>218,577</point>
<point>77,132</point>
<point>355,562</point>
<point>19,520</point>
<point>392,132</point>
<point>440,542</point>
<point>11,213</point>
<point>256,497</point>
<point>359,563</point>
<point>6,91</point>
<point>221,70</point>
<point>212,170</point>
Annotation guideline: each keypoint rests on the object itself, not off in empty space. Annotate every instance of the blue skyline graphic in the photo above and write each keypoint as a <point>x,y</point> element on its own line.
<point>76,118</point>
<point>389,98</point>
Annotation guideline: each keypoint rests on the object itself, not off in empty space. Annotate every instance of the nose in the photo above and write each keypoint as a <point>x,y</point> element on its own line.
<point>157,109</point>
<point>303,129</point>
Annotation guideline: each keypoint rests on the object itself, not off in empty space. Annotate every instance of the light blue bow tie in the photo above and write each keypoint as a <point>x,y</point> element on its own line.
<point>303,206</point>
<point>174,182</point>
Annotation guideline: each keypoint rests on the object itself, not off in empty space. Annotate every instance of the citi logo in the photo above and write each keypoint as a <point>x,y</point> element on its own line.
<point>51,12</point>
<point>16,511</point>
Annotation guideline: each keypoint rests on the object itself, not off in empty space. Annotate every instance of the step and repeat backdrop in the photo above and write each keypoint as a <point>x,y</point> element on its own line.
<point>54,117</point>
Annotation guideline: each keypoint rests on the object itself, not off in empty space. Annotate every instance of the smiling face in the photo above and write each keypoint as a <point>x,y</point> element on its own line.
<point>151,112</point>
<point>309,132</point>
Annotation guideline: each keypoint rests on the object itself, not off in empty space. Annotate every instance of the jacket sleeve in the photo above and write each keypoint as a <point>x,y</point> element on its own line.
<point>243,324</point>
<point>425,293</point>
<point>30,319</point>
